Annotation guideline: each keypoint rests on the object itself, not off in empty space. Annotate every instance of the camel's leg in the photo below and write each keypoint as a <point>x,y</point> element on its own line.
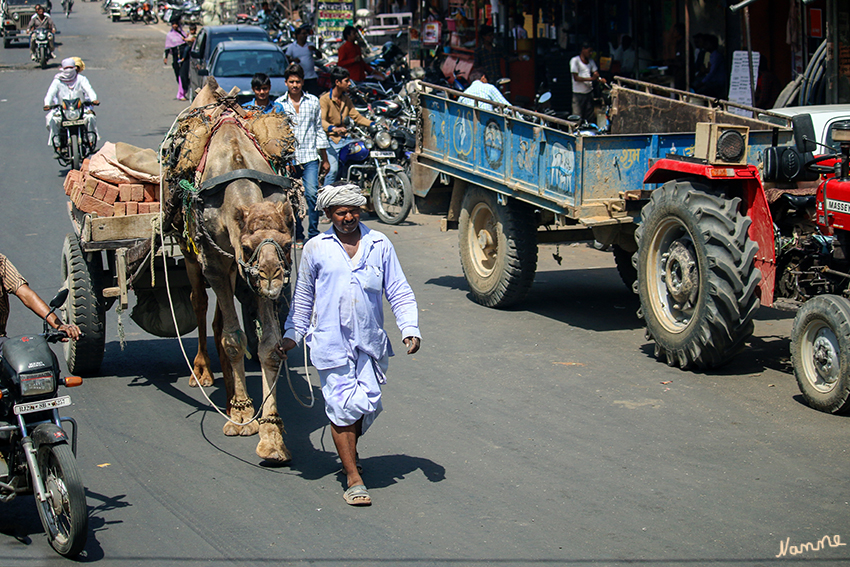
<point>202,366</point>
<point>232,344</point>
<point>271,446</point>
<point>226,367</point>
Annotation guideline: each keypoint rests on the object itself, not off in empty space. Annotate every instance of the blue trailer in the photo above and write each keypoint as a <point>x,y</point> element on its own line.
<point>520,178</point>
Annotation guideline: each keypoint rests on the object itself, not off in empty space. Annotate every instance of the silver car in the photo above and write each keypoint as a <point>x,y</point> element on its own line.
<point>234,63</point>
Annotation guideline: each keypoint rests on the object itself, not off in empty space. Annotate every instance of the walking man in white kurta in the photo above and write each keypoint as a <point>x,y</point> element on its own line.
<point>337,308</point>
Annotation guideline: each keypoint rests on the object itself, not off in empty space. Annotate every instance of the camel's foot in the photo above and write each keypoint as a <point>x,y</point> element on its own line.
<point>204,376</point>
<point>271,447</point>
<point>241,411</point>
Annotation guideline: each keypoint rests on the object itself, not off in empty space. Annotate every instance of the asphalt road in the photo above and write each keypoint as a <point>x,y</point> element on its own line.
<point>545,434</point>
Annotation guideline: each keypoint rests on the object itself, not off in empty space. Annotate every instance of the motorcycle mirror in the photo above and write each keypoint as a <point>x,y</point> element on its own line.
<point>60,298</point>
<point>503,81</point>
<point>545,97</point>
<point>347,122</point>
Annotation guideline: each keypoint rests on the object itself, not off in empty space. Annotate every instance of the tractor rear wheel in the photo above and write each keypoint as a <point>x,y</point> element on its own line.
<point>696,272</point>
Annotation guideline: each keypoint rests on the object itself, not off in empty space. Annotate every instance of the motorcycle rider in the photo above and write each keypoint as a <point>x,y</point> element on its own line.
<point>336,106</point>
<point>13,283</point>
<point>41,20</point>
<point>69,83</point>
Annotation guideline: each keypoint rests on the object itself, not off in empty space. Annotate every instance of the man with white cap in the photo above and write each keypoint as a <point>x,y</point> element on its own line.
<point>337,308</point>
<point>68,84</point>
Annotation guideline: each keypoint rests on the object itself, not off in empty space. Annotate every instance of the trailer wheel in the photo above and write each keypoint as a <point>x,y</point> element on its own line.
<point>625,266</point>
<point>83,309</point>
<point>696,275</point>
<point>820,346</point>
<point>498,248</point>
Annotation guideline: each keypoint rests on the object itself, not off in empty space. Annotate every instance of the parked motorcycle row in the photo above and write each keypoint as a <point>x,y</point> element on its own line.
<point>151,12</point>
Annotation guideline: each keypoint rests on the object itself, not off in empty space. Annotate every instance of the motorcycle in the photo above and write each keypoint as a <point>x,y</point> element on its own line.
<point>35,457</point>
<point>366,163</point>
<point>75,142</point>
<point>142,12</point>
<point>42,47</point>
<point>66,7</point>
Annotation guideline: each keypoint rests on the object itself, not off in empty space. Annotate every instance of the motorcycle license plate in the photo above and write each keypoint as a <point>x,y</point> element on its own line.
<point>74,123</point>
<point>379,154</point>
<point>42,405</point>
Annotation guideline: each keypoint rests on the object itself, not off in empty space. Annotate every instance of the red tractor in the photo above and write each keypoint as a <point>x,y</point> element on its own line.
<point>718,238</point>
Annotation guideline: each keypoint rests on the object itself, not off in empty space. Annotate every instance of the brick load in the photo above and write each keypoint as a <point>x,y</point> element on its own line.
<point>92,195</point>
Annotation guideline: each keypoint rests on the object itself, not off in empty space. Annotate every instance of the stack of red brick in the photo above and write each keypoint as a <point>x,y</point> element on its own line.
<point>93,195</point>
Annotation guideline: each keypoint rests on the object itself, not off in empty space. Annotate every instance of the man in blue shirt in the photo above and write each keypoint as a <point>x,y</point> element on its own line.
<point>337,307</point>
<point>261,84</point>
<point>481,88</point>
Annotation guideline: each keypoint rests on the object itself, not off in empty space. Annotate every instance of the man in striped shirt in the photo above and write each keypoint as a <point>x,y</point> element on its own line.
<point>13,283</point>
<point>305,115</point>
<point>481,88</point>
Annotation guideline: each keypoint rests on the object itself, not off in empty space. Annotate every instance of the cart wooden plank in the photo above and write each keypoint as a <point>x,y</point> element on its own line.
<point>122,228</point>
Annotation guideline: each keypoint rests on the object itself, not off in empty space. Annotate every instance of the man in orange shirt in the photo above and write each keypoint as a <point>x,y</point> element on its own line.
<point>350,55</point>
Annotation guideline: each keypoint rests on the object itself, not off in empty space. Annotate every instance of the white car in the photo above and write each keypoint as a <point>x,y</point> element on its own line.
<point>824,118</point>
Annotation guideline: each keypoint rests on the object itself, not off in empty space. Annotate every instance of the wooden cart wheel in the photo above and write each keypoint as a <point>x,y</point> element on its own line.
<point>83,308</point>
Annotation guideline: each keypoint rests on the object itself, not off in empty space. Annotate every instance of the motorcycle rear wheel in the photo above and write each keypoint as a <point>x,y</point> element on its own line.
<point>394,206</point>
<point>64,514</point>
<point>75,151</point>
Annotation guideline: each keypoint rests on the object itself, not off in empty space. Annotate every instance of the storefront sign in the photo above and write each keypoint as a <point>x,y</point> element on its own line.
<point>431,33</point>
<point>333,17</point>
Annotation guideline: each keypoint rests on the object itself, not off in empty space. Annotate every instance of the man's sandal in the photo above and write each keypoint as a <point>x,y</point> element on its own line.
<point>357,496</point>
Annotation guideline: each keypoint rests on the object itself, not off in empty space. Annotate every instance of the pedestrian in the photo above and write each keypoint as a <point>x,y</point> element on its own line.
<point>186,59</point>
<point>305,115</point>
<point>337,307</point>
<point>336,106</point>
<point>174,42</point>
<point>261,84</point>
<point>350,56</point>
<point>585,73</point>
<point>303,53</point>
<point>713,84</point>
<point>487,57</point>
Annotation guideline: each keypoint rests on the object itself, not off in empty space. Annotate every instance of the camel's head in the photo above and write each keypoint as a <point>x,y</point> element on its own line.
<point>266,241</point>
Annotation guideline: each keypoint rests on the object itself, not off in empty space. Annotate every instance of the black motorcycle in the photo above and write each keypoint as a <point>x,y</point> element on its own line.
<point>42,47</point>
<point>74,142</point>
<point>384,183</point>
<point>35,455</point>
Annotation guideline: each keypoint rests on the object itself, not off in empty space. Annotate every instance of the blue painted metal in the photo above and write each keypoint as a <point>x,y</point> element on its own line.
<point>542,165</point>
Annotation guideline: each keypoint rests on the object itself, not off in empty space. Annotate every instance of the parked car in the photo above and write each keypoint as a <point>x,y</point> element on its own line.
<point>234,63</point>
<point>120,9</point>
<point>825,118</point>
<point>208,39</point>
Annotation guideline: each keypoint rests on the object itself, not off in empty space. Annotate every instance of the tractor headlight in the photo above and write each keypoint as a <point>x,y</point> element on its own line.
<point>731,146</point>
<point>383,139</point>
<point>37,383</point>
<point>15,17</point>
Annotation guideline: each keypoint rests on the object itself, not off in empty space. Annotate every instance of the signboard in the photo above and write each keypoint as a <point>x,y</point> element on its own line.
<point>431,33</point>
<point>739,81</point>
<point>815,23</point>
<point>333,17</point>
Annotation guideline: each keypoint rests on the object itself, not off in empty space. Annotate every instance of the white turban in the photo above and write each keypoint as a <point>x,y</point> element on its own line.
<point>339,196</point>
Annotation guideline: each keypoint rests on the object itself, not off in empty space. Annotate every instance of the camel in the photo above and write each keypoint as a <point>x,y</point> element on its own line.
<point>239,235</point>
